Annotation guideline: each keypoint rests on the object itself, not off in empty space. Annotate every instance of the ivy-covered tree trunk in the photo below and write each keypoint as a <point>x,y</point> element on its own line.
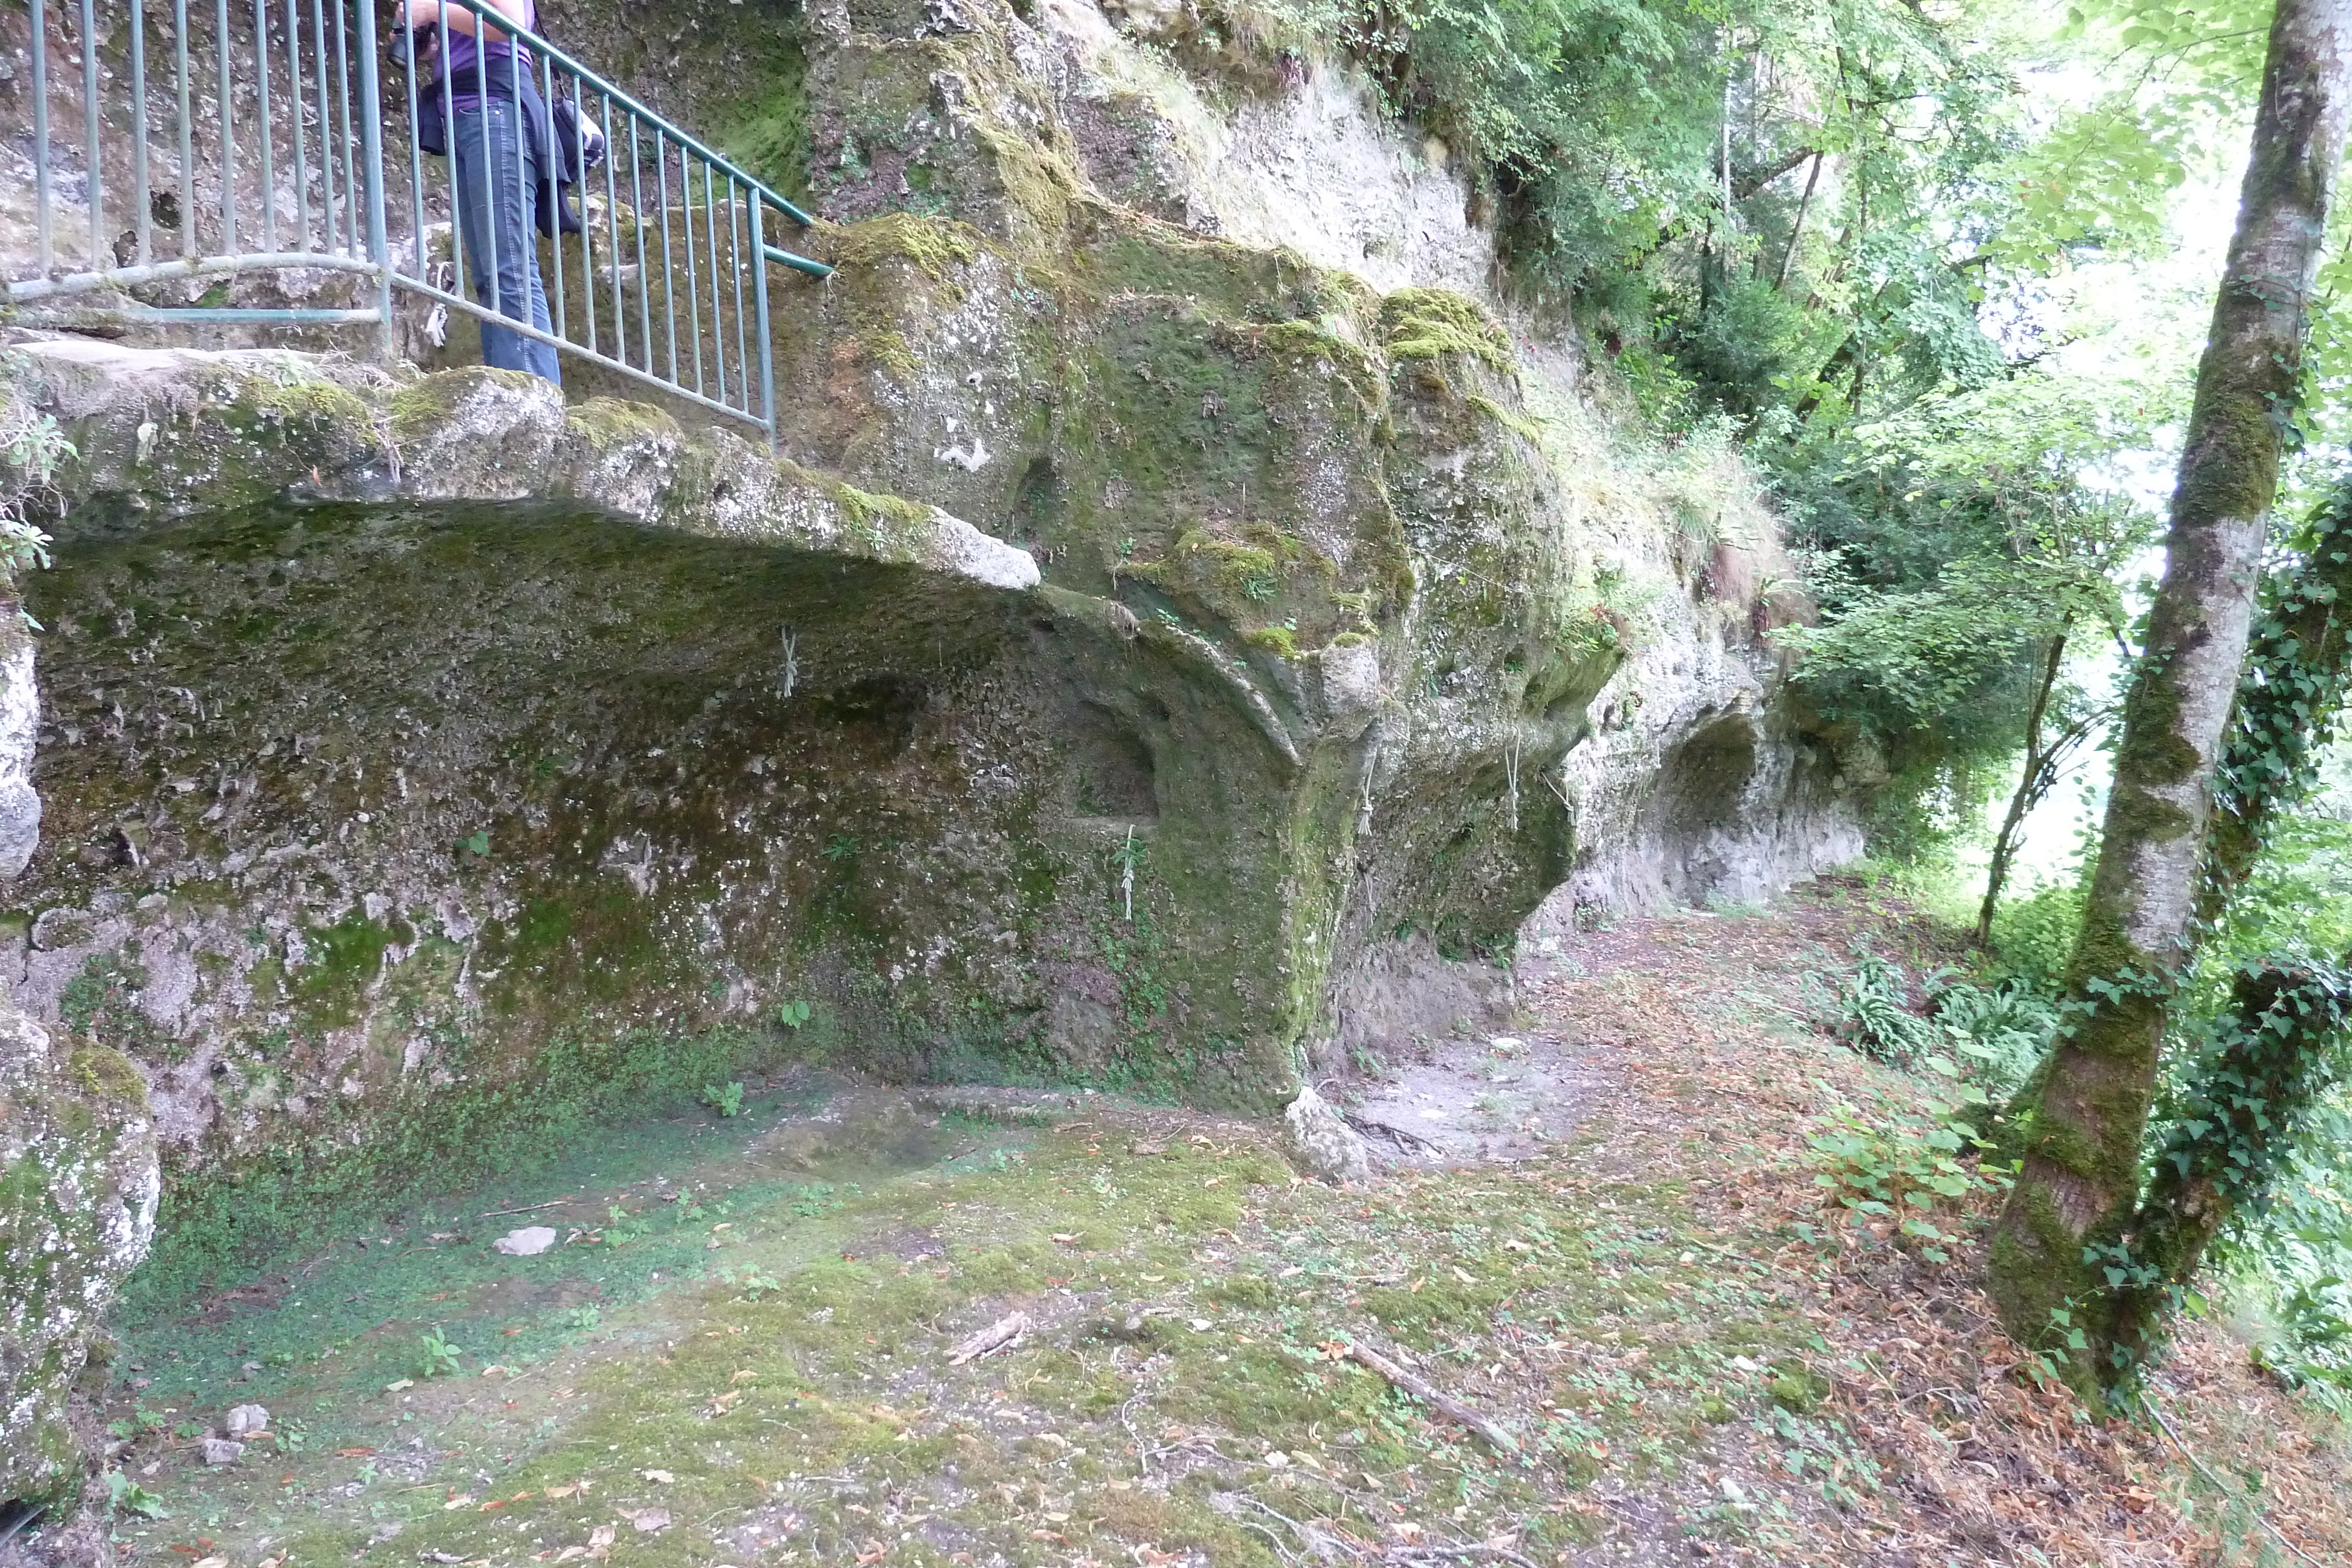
<point>2288,700</point>
<point>2279,1047</point>
<point>2074,1202</point>
<point>2268,1062</point>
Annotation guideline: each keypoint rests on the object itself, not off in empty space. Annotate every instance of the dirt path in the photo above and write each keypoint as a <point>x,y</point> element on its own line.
<point>741,1350</point>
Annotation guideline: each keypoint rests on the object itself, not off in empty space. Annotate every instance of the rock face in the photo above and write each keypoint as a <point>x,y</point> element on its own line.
<point>79,1178</point>
<point>1155,660</point>
<point>78,1198</point>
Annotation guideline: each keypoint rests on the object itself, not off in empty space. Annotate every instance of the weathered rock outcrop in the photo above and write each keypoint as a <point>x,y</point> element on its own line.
<point>77,1198</point>
<point>1155,661</point>
<point>78,1176</point>
<point>78,1190</point>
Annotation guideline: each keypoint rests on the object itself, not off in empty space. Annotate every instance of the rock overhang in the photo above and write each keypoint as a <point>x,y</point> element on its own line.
<point>497,722</point>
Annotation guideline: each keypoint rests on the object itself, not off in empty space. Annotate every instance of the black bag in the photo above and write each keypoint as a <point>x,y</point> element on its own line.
<point>578,148</point>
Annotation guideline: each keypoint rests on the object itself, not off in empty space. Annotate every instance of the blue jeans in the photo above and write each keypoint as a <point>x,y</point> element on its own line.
<point>496,225</point>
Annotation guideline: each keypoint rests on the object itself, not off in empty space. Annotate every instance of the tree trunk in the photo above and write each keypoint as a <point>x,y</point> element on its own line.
<point>2273,1054</point>
<point>2030,787</point>
<point>1797,228</point>
<point>2075,1199</point>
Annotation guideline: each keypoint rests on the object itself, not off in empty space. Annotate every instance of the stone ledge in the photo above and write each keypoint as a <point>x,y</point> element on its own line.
<point>165,434</point>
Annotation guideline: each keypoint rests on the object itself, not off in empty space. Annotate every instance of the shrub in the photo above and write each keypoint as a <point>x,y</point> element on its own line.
<point>2033,937</point>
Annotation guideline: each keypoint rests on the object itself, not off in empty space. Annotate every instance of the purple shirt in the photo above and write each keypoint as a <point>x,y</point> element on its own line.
<point>465,49</point>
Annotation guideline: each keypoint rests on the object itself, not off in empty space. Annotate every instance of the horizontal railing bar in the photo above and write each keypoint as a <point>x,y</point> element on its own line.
<point>481,9</point>
<point>194,267</point>
<point>798,263</point>
<point>198,315</point>
<point>524,329</point>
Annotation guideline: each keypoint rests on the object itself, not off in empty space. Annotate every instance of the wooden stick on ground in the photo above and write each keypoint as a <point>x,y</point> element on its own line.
<point>1429,1393</point>
<point>990,1339</point>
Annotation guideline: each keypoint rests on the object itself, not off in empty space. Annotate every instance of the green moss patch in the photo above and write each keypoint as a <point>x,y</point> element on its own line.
<point>769,1363</point>
<point>936,247</point>
<point>1432,323</point>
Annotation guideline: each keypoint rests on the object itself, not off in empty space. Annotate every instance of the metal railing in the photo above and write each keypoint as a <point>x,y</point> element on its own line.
<point>270,197</point>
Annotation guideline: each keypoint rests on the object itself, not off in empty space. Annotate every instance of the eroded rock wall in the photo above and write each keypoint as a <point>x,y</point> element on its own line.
<point>79,1175</point>
<point>1156,660</point>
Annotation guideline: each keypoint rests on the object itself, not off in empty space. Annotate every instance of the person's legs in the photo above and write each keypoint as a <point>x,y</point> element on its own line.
<point>494,210</point>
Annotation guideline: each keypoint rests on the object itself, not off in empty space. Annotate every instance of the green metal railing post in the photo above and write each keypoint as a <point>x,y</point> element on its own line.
<point>760,322</point>
<point>379,249</point>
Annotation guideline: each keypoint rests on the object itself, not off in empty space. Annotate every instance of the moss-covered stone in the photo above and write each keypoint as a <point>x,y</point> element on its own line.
<point>77,1198</point>
<point>936,248</point>
<point>1432,323</point>
<point>474,734</point>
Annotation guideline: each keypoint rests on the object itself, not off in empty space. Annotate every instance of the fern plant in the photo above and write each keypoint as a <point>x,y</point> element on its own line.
<point>1869,1009</point>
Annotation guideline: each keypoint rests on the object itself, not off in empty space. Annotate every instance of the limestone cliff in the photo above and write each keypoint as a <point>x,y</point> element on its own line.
<point>1194,621</point>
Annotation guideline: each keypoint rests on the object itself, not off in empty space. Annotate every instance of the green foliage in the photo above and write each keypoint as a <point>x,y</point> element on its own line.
<point>1870,1009</point>
<point>819,1198</point>
<point>1958,547</point>
<point>752,1281</point>
<point>1952,540</point>
<point>1900,1167</point>
<point>2033,937</point>
<point>124,1495</point>
<point>727,1099</point>
<point>793,1015</point>
<point>1984,1039</point>
<point>2100,180</point>
<point>436,1357</point>
<point>2298,674</point>
<point>1602,127</point>
<point>2258,1090</point>
<point>1997,1033</point>
<point>1560,98</point>
<point>31,448</point>
<point>1906,661</point>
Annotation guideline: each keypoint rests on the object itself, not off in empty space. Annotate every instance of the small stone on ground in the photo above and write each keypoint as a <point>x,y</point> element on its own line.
<point>528,1243</point>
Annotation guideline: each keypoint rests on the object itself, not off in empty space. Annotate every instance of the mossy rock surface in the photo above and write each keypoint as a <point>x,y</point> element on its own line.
<point>1135,641</point>
<point>78,1199</point>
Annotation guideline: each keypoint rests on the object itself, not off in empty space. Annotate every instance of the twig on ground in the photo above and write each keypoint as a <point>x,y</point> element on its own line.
<point>2219,1485</point>
<point>1316,1540</point>
<point>1004,1330</point>
<point>1437,1399</point>
<point>1400,1136</point>
<point>527,1208</point>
